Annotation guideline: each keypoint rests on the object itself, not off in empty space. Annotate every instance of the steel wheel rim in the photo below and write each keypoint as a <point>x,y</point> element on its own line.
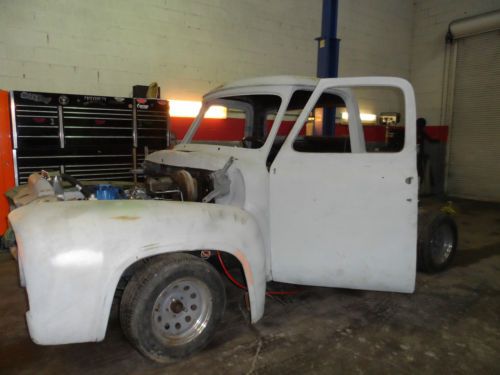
<point>441,243</point>
<point>181,311</point>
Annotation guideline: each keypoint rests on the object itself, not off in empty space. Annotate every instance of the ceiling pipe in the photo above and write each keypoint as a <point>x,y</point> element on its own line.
<point>474,25</point>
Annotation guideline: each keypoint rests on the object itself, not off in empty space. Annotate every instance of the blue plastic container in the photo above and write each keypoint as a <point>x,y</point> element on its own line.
<point>107,192</point>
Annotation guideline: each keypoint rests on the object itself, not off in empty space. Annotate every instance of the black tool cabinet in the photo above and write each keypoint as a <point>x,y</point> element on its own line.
<point>97,138</point>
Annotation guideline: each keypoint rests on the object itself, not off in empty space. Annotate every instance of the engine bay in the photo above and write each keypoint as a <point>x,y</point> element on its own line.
<point>184,184</point>
<point>161,182</point>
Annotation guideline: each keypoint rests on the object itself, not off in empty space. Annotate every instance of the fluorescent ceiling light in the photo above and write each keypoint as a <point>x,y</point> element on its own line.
<point>216,111</point>
<point>365,117</point>
<point>189,108</point>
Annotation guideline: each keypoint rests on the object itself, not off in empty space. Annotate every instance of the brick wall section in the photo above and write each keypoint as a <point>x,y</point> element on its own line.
<point>428,48</point>
<point>375,39</point>
<point>188,47</point>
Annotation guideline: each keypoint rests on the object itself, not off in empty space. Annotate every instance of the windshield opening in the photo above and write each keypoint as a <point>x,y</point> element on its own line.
<point>247,123</point>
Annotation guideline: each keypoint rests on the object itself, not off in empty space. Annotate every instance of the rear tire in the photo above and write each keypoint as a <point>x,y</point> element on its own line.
<point>437,242</point>
<point>171,307</point>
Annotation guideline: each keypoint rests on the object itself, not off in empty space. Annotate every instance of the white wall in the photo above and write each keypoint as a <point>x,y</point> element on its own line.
<point>105,47</point>
<point>432,18</point>
<point>190,46</point>
<point>375,39</point>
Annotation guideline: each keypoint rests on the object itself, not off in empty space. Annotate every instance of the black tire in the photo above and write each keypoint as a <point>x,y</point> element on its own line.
<point>155,316</point>
<point>437,242</point>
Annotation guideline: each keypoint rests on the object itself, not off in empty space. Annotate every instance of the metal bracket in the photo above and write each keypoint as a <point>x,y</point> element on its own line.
<point>221,182</point>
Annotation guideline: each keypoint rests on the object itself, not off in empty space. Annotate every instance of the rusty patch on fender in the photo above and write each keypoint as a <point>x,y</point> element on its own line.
<point>126,218</point>
<point>246,266</point>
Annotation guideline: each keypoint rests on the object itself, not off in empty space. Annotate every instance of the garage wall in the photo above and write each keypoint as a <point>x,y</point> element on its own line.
<point>402,38</point>
<point>105,47</point>
<point>375,39</point>
<point>428,47</point>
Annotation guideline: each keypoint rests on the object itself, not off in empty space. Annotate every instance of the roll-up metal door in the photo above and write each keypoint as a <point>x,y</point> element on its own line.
<point>474,154</point>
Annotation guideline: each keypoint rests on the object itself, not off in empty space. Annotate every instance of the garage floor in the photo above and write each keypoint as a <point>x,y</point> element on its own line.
<point>450,325</point>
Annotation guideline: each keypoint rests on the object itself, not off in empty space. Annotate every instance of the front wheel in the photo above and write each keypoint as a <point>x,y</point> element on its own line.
<point>437,243</point>
<point>171,307</point>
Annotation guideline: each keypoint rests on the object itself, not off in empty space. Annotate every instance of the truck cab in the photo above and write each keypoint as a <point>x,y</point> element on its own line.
<point>330,211</point>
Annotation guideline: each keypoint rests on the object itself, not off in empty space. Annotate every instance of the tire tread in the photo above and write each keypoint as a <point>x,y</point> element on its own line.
<point>133,298</point>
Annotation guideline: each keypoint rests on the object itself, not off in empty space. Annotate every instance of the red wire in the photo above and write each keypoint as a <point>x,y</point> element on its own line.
<point>241,286</point>
<point>229,276</point>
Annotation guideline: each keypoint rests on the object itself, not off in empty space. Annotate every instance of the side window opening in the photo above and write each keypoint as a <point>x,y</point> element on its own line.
<point>318,133</point>
<point>381,110</point>
<point>311,138</point>
<point>295,107</point>
<point>382,114</point>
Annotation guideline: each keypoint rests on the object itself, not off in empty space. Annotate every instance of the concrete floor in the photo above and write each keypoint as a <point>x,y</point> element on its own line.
<point>451,324</point>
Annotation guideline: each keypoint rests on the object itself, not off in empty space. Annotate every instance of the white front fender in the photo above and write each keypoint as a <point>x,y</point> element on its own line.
<point>74,253</point>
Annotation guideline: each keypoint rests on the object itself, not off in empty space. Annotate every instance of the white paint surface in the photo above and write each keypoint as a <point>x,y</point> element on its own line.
<point>346,219</point>
<point>73,254</point>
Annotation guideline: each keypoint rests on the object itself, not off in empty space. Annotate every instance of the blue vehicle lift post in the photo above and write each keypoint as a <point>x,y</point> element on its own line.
<point>328,56</point>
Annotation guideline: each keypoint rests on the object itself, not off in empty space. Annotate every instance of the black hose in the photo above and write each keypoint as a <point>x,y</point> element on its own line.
<point>73,181</point>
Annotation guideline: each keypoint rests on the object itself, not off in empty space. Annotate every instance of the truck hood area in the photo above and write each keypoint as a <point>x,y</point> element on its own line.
<point>208,157</point>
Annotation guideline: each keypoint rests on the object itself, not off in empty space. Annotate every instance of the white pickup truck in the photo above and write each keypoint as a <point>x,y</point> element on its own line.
<point>287,206</point>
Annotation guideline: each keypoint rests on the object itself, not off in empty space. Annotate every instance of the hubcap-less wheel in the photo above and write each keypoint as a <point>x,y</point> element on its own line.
<point>437,241</point>
<point>172,305</point>
<point>441,244</point>
<point>181,311</point>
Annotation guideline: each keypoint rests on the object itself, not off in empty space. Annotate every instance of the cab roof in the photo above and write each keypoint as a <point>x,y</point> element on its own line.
<point>282,80</point>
